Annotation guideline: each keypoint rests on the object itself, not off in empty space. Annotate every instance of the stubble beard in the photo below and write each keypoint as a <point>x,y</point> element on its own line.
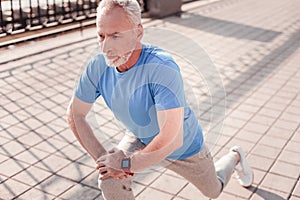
<point>119,60</point>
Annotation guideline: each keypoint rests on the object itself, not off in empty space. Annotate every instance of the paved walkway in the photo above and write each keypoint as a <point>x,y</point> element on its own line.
<point>255,46</point>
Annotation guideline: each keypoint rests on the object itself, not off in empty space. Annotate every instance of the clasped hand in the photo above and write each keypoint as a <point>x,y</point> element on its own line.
<point>109,165</point>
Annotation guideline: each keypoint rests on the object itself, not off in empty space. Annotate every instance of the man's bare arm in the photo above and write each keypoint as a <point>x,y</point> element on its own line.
<point>76,118</point>
<point>167,141</point>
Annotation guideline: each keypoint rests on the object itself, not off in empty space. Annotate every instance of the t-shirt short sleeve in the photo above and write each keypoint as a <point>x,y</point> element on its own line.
<point>168,89</point>
<point>87,87</point>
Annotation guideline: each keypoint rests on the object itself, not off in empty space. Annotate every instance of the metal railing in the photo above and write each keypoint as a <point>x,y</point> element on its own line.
<point>25,15</point>
<point>18,16</point>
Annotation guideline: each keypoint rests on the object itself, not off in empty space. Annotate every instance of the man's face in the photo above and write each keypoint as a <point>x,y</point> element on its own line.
<point>117,36</point>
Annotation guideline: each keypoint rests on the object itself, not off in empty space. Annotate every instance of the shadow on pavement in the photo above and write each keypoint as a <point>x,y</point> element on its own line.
<point>264,194</point>
<point>224,28</point>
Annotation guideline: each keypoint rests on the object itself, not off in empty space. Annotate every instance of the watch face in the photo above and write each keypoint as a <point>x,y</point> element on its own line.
<point>125,163</point>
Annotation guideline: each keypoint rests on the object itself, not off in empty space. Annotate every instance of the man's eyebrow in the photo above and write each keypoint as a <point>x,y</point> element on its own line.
<point>110,34</point>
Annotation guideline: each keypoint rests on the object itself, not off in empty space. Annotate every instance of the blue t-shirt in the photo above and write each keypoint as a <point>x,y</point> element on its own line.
<point>153,83</point>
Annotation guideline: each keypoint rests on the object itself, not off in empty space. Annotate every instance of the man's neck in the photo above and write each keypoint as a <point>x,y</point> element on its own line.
<point>132,60</point>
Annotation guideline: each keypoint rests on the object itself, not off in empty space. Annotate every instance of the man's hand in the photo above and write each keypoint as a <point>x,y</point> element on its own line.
<point>109,165</point>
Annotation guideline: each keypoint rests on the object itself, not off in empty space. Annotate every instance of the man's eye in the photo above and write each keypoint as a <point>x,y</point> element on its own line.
<point>101,37</point>
<point>115,37</point>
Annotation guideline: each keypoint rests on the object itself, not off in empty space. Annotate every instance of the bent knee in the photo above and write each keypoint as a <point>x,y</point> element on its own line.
<point>212,193</point>
<point>114,184</point>
<point>212,196</point>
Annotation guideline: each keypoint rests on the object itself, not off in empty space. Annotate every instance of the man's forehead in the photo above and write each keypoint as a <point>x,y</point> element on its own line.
<point>113,29</point>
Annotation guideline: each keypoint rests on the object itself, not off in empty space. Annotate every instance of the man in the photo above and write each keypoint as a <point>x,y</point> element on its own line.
<point>143,87</point>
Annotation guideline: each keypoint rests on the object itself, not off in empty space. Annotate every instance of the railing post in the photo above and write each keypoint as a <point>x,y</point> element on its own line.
<point>162,8</point>
<point>1,18</point>
<point>12,16</point>
<point>22,20</point>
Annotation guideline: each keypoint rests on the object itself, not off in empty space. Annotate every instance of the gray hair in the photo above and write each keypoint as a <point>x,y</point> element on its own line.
<point>131,7</point>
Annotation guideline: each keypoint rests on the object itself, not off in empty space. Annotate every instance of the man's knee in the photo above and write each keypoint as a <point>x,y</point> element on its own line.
<point>114,184</point>
<point>212,194</point>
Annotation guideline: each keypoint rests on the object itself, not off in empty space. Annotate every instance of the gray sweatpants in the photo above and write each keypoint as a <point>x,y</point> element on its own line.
<point>199,170</point>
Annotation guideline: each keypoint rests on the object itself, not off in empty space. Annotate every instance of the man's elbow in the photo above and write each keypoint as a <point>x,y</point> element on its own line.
<point>69,115</point>
<point>179,141</point>
<point>70,118</point>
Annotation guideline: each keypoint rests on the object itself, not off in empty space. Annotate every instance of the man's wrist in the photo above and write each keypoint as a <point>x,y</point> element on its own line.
<point>126,165</point>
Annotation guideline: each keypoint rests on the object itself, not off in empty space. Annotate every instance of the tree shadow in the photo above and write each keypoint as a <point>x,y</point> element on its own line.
<point>224,28</point>
<point>264,194</point>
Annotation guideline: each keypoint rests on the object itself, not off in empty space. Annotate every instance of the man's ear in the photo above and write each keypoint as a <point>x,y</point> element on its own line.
<point>140,31</point>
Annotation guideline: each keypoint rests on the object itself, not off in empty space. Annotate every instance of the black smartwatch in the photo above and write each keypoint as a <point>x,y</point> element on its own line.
<point>125,166</point>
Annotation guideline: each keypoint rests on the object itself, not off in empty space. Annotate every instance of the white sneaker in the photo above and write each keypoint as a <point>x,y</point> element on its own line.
<point>243,172</point>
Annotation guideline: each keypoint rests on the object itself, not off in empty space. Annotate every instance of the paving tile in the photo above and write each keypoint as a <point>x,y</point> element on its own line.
<point>31,138</point>
<point>191,192</point>
<point>288,125</point>
<point>239,114</point>
<point>256,127</point>
<point>293,146</point>
<point>150,193</point>
<point>33,123</point>
<point>86,160</point>
<point>293,110</point>
<point>32,176</point>
<point>3,158</point>
<point>294,198</point>
<point>277,182</point>
<point>11,167</point>
<point>169,184</point>
<point>14,132</point>
<point>285,169</point>
<point>266,151</point>
<point>55,185</point>
<point>249,108</point>
<point>36,194</point>
<point>76,172</point>
<point>296,191</point>
<point>11,188</point>
<point>179,198</point>
<point>229,130</point>
<point>259,175</point>
<point>289,157</point>
<point>259,118</point>
<point>91,180</point>
<point>10,119</point>
<point>260,163</point>
<point>279,133</point>
<point>3,140</point>
<point>263,194</point>
<point>31,156</point>
<point>233,187</point>
<point>248,136</point>
<point>81,193</point>
<point>290,117</point>
<point>137,188</point>
<point>71,152</point>
<point>269,112</point>
<point>146,178</point>
<point>247,146</point>
<point>46,116</point>
<point>66,135</point>
<point>275,106</point>
<point>234,122</point>
<point>272,141</point>
<point>296,137</point>
<point>47,131</point>
<point>51,145</point>
<point>52,163</point>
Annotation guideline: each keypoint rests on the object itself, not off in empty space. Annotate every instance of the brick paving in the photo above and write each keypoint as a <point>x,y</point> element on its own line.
<point>255,46</point>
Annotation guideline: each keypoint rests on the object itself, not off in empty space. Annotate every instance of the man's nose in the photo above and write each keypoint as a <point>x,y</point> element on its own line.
<point>106,45</point>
